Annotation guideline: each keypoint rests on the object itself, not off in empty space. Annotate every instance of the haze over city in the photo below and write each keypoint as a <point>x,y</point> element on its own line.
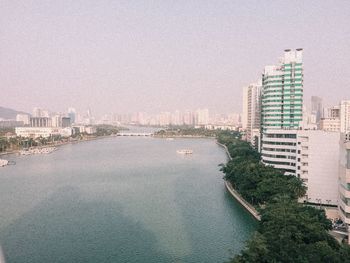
<point>128,56</point>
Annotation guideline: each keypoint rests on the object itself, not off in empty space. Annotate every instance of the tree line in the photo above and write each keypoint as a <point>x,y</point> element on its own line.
<point>289,231</point>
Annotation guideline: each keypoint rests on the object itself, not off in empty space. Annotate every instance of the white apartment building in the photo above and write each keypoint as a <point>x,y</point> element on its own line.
<point>252,110</point>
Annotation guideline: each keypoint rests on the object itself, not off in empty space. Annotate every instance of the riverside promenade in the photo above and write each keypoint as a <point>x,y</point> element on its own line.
<point>236,195</point>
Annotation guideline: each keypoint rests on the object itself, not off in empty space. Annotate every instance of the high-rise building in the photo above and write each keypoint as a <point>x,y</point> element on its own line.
<point>245,108</point>
<point>282,110</point>
<point>345,116</point>
<point>72,114</point>
<point>317,108</point>
<point>202,117</point>
<point>282,92</point>
<point>253,112</point>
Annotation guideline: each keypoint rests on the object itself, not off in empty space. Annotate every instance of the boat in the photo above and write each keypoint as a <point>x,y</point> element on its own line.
<point>169,139</point>
<point>184,151</point>
<point>3,162</point>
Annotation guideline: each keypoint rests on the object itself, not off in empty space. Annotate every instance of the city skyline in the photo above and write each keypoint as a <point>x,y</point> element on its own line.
<point>126,57</point>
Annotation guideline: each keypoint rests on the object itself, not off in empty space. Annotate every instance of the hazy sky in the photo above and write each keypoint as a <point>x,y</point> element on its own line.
<point>126,56</point>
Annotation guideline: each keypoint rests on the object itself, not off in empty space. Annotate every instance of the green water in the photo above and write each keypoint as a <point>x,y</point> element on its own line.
<point>121,200</point>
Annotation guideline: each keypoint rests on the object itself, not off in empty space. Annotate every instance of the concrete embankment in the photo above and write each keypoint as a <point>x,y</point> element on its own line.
<point>236,195</point>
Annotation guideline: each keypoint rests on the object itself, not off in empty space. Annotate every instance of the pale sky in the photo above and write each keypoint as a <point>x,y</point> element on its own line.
<point>127,56</point>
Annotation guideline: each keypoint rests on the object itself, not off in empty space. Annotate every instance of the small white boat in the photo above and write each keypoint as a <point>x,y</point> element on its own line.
<point>184,151</point>
<point>169,139</point>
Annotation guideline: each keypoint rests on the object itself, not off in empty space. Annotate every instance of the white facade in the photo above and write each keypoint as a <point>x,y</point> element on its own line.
<point>253,111</point>
<point>345,116</point>
<point>25,118</point>
<point>45,132</point>
<point>344,178</point>
<point>279,149</point>
<point>312,155</point>
<point>318,164</point>
<point>330,124</point>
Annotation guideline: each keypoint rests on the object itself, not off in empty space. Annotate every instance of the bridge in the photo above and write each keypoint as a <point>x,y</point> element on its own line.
<point>139,134</point>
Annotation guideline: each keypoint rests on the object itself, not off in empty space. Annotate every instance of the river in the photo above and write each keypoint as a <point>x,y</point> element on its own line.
<point>129,199</point>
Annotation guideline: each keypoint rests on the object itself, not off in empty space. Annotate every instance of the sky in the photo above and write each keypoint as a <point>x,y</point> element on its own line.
<point>127,56</point>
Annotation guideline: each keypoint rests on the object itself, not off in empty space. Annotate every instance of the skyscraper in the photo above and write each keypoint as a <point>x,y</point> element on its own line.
<point>282,108</point>
<point>282,92</point>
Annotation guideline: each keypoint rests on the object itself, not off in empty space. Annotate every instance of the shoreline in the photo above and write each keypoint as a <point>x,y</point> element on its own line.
<point>184,136</point>
<point>236,195</point>
<point>60,144</point>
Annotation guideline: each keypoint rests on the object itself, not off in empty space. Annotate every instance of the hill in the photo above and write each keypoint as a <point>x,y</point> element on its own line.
<point>6,113</point>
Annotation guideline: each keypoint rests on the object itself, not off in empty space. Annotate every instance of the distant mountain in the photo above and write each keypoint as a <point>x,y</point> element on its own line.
<point>6,113</point>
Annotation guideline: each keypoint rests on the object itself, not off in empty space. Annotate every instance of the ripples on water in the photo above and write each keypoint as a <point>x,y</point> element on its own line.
<point>121,200</point>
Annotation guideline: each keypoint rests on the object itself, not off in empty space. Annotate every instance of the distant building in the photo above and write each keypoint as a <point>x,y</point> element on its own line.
<point>44,132</point>
<point>330,124</point>
<point>56,120</point>
<point>253,112</point>
<point>331,112</point>
<point>25,118</point>
<point>10,124</point>
<point>202,117</point>
<point>66,122</point>
<point>40,122</point>
<point>345,116</point>
<point>317,108</point>
<point>72,114</point>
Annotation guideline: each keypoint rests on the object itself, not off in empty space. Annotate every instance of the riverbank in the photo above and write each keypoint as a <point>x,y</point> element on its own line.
<point>59,144</point>
<point>184,136</point>
<point>236,195</point>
